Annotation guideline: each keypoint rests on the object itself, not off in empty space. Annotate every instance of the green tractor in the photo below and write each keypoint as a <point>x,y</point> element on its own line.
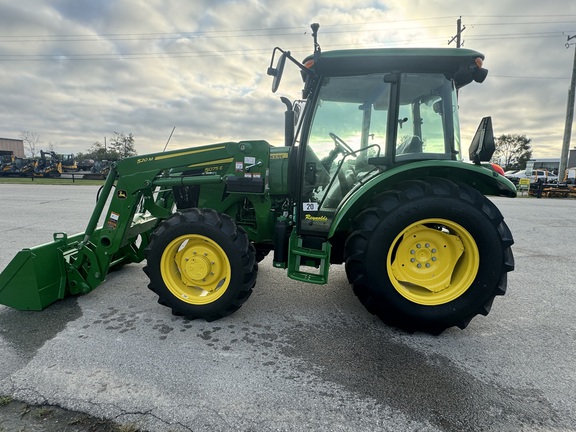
<point>370,176</point>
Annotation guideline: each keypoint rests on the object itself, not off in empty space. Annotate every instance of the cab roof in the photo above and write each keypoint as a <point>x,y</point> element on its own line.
<point>365,61</point>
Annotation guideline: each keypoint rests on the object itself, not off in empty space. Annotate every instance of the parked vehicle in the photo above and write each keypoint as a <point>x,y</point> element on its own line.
<point>85,164</point>
<point>68,162</point>
<point>48,165</point>
<point>370,176</point>
<point>542,176</point>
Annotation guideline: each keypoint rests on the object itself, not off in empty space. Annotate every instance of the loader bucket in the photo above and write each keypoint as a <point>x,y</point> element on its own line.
<point>39,276</point>
<point>35,278</point>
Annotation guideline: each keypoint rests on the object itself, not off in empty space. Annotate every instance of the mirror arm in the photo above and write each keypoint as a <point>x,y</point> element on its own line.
<point>272,70</point>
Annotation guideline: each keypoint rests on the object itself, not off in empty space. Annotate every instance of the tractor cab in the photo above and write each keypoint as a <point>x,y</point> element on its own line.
<point>361,125</point>
<point>371,119</point>
<point>370,111</point>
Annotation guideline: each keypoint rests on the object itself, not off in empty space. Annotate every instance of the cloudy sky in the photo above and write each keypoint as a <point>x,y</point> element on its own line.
<point>75,71</point>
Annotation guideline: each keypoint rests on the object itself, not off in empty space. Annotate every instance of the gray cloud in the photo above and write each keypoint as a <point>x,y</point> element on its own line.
<point>75,71</point>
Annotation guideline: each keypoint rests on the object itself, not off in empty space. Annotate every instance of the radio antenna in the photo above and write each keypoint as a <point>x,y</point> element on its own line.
<point>169,138</point>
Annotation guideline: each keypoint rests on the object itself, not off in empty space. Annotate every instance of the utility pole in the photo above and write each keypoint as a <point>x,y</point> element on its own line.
<point>569,117</point>
<point>459,30</point>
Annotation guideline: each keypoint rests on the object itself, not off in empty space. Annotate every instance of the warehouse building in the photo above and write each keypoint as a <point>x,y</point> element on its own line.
<point>552,164</point>
<point>9,146</point>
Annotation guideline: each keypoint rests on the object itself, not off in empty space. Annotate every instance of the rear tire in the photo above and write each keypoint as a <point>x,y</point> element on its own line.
<point>201,264</point>
<point>445,250</point>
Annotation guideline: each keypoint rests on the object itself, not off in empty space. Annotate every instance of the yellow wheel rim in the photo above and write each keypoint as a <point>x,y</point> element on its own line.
<point>195,269</point>
<point>433,261</point>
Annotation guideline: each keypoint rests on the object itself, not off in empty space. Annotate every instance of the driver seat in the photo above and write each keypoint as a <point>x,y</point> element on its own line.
<point>410,145</point>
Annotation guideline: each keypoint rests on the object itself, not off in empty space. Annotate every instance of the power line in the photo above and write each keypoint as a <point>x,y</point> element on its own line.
<point>511,36</point>
<point>268,31</point>
<point>300,29</point>
<point>521,23</point>
<point>529,77</point>
<point>520,16</point>
<point>177,36</point>
<point>198,36</point>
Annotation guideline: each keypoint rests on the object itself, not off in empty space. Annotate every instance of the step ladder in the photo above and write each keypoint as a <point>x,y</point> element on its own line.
<point>308,264</point>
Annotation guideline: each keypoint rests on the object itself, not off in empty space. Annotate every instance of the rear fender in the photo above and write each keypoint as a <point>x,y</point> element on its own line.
<point>481,177</point>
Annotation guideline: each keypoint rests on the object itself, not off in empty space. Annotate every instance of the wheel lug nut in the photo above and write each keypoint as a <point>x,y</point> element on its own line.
<point>433,258</point>
<point>412,251</point>
<point>419,265</point>
<point>433,250</point>
<point>412,259</point>
<point>418,245</point>
<point>427,245</point>
<point>427,264</point>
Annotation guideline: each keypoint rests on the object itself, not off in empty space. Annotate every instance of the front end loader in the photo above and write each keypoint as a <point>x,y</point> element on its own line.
<point>370,175</point>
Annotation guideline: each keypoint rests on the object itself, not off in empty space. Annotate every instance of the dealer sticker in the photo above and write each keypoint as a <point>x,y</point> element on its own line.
<point>310,206</point>
<point>113,220</point>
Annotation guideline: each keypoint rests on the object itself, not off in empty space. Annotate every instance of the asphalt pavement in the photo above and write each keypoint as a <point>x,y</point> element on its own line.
<point>295,357</point>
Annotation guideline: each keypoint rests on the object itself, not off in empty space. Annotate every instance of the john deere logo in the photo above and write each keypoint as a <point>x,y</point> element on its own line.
<point>121,194</point>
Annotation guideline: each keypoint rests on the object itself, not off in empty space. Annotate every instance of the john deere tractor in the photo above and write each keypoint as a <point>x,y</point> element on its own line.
<point>370,176</point>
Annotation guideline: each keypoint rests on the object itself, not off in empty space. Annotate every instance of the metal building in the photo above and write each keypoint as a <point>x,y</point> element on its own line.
<point>12,146</point>
<point>552,164</point>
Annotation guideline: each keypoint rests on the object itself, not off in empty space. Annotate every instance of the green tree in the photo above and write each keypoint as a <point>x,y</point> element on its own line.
<point>120,146</point>
<point>98,152</point>
<point>512,151</point>
<point>123,145</point>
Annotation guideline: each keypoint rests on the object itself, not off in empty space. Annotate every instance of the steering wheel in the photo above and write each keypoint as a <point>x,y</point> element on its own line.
<point>341,144</point>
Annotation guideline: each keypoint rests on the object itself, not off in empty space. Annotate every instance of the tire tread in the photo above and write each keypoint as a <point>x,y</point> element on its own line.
<point>382,206</point>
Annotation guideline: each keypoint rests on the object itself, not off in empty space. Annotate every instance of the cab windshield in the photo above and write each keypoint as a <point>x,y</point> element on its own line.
<point>351,133</point>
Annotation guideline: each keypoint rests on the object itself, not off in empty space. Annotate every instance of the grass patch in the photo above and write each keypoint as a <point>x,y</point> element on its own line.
<point>22,417</point>
<point>128,428</point>
<point>42,412</point>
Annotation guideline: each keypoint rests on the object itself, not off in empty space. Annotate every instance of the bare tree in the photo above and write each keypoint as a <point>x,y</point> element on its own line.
<point>31,140</point>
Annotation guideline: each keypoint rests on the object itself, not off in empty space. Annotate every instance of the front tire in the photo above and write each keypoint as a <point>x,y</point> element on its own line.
<point>445,249</point>
<point>201,264</point>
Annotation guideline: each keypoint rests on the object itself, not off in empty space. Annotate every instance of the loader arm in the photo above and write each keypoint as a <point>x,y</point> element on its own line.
<point>136,195</point>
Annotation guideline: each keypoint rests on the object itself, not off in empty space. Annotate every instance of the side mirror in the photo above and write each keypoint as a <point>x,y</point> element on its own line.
<point>480,75</point>
<point>277,71</point>
<point>483,146</point>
